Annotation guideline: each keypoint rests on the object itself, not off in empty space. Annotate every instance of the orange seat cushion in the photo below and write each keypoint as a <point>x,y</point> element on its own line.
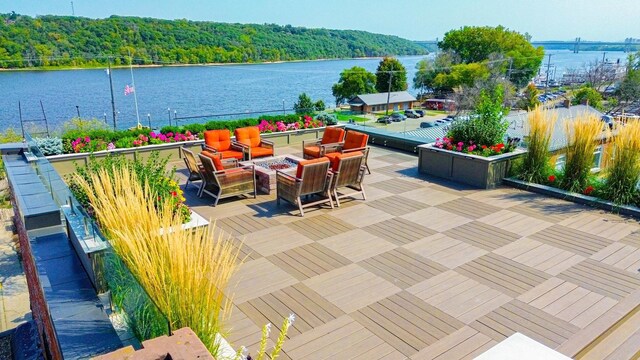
<point>355,140</point>
<point>261,152</point>
<point>217,159</point>
<point>218,139</point>
<point>232,154</point>
<point>303,163</point>
<point>312,151</point>
<point>332,135</point>
<point>249,136</point>
<point>336,157</point>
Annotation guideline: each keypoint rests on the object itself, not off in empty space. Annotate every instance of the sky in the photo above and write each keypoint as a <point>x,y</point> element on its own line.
<point>605,20</point>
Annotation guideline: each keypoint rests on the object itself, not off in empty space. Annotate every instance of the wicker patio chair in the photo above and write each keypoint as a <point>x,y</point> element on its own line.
<point>347,174</point>
<point>219,142</point>
<point>331,141</point>
<point>252,144</point>
<point>195,169</point>
<point>222,182</point>
<point>312,178</point>
<point>354,141</point>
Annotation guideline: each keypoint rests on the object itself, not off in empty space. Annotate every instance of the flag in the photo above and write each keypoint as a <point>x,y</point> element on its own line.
<point>128,90</point>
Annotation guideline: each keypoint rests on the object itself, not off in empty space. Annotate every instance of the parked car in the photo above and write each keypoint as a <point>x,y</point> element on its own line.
<point>608,120</point>
<point>420,112</point>
<point>411,114</point>
<point>397,117</point>
<point>384,120</point>
<point>428,124</point>
<point>441,121</point>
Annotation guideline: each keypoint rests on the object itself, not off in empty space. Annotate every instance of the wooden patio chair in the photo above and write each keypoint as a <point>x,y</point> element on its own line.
<point>195,169</point>
<point>312,178</point>
<point>219,142</point>
<point>347,174</point>
<point>220,181</point>
<point>252,144</point>
<point>354,141</point>
<point>331,141</point>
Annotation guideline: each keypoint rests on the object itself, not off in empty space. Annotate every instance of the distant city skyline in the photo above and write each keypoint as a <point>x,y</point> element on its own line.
<point>410,19</point>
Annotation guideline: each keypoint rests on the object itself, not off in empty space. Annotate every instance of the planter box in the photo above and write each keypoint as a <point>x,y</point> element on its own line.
<point>64,164</point>
<point>477,171</point>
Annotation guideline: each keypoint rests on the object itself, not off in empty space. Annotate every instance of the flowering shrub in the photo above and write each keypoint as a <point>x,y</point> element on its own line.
<point>448,143</point>
<point>306,122</point>
<point>86,144</point>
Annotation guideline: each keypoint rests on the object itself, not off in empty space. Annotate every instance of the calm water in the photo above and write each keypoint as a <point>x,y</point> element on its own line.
<point>192,91</point>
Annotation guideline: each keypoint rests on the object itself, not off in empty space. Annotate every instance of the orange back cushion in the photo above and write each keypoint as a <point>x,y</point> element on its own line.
<point>248,135</point>
<point>303,163</point>
<point>355,140</point>
<point>218,139</point>
<point>335,160</point>
<point>332,135</point>
<point>217,159</point>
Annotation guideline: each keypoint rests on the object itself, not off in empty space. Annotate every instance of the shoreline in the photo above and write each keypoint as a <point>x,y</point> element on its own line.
<point>65,68</point>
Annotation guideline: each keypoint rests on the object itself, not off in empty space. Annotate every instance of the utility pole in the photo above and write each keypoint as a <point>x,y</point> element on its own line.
<point>389,92</point>
<point>510,67</point>
<point>73,11</point>
<point>546,85</point>
<point>284,111</point>
<point>113,101</point>
<point>169,113</point>
<point>78,110</point>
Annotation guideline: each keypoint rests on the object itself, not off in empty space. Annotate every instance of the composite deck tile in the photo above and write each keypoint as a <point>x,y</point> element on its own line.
<point>402,267</point>
<point>465,343</point>
<point>428,195</point>
<point>547,209</point>
<point>602,278</point>
<point>397,158</point>
<point>612,229</point>
<point>505,275</point>
<point>256,278</point>
<point>406,322</point>
<point>517,316</point>
<point>632,239</point>
<point>357,245</point>
<point>395,185</point>
<point>504,197</point>
<point>394,172</point>
<point>543,257</point>
<point>620,255</point>
<point>573,240</point>
<point>311,310</point>
<point>395,206</point>
<point>244,224</point>
<point>320,227</point>
<point>360,215</point>
<point>242,331</point>
<point>351,287</point>
<point>445,250</point>
<point>308,260</point>
<point>515,222</point>
<point>481,235</point>
<point>468,208</point>
<point>436,219</point>
<point>399,231</point>
<point>275,239</point>
<point>459,296</point>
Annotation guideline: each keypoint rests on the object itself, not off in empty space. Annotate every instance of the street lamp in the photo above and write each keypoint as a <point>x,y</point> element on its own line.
<point>149,117</point>
<point>284,112</point>
<point>169,113</point>
<point>105,118</point>
<point>78,110</point>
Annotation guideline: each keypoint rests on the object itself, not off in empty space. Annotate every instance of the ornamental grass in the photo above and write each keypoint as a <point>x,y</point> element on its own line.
<point>623,172</point>
<point>541,123</point>
<point>582,136</point>
<point>185,272</point>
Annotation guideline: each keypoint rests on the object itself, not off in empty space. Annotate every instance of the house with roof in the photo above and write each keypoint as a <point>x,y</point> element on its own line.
<point>394,101</point>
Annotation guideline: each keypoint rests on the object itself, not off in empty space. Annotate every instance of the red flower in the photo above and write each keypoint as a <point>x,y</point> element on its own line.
<point>552,178</point>
<point>588,190</point>
<point>484,147</point>
<point>174,194</point>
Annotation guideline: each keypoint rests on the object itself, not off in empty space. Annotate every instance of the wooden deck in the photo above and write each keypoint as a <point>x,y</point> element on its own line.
<point>425,269</point>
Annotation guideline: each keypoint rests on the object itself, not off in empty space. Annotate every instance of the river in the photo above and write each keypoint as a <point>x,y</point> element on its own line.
<point>193,90</point>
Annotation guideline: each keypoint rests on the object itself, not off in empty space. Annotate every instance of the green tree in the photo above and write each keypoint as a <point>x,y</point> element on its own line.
<point>473,44</point>
<point>391,75</point>
<point>353,82</point>
<point>588,95</point>
<point>304,105</point>
<point>530,100</point>
<point>319,105</point>
<point>428,69</point>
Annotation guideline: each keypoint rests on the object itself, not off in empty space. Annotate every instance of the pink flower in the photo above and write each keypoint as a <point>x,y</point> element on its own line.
<point>460,143</point>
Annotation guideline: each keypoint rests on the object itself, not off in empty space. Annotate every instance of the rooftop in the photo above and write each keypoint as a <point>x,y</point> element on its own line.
<point>381,98</point>
<point>428,269</point>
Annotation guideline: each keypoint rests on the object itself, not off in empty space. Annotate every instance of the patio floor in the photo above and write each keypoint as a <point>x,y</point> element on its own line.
<point>427,269</point>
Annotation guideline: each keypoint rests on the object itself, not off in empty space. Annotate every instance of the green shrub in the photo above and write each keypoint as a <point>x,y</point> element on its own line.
<point>125,142</point>
<point>582,135</point>
<point>10,136</point>
<point>623,172</point>
<point>49,146</point>
<point>327,119</point>
<point>535,166</point>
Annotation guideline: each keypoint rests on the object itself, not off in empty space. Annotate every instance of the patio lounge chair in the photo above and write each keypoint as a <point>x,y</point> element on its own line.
<point>222,180</point>
<point>219,142</point>
<point>195,169</point>
<point>348,173</point>
<point>312,178</point>
<point>354,141</point>
<point>331,141</point>
<point>252,144</point>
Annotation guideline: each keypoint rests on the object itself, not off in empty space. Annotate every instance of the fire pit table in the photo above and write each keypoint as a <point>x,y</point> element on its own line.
<point>266,170</point>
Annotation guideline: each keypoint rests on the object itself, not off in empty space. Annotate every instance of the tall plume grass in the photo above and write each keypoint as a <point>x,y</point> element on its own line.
<point>623,172</point>
<point>541,124</point>
<point>582,136</point>
<point>183,271</point>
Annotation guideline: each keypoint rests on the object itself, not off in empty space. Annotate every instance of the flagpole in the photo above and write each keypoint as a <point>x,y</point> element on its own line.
<point>133,84</point>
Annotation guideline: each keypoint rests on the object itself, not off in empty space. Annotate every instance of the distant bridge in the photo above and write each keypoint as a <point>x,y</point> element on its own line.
<point>630,44</point>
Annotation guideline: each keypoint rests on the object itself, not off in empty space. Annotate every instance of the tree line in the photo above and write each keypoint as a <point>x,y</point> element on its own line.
<point>76,41</point>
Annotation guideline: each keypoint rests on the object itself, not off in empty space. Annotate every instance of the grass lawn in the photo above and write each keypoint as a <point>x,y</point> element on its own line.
<point>346,117</point>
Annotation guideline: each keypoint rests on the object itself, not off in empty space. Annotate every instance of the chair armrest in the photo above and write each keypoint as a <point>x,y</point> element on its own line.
<point>281,172</point>
<point>207,147</point>
<point>267,143</point>
<point>354,150</point>
<point>313,142</point>
<point>238,146</point>
<point>329,148</point>
<point>229,163</point>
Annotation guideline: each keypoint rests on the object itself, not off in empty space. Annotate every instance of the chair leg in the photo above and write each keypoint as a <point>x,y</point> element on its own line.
<point>215,203</point>
<point>368,170</point>
<point>364,196</point>
<point>186,185</point>
<point>300,207</point>
<point>201,190</point>
<point>335,193</point>
<point>330,200</point>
